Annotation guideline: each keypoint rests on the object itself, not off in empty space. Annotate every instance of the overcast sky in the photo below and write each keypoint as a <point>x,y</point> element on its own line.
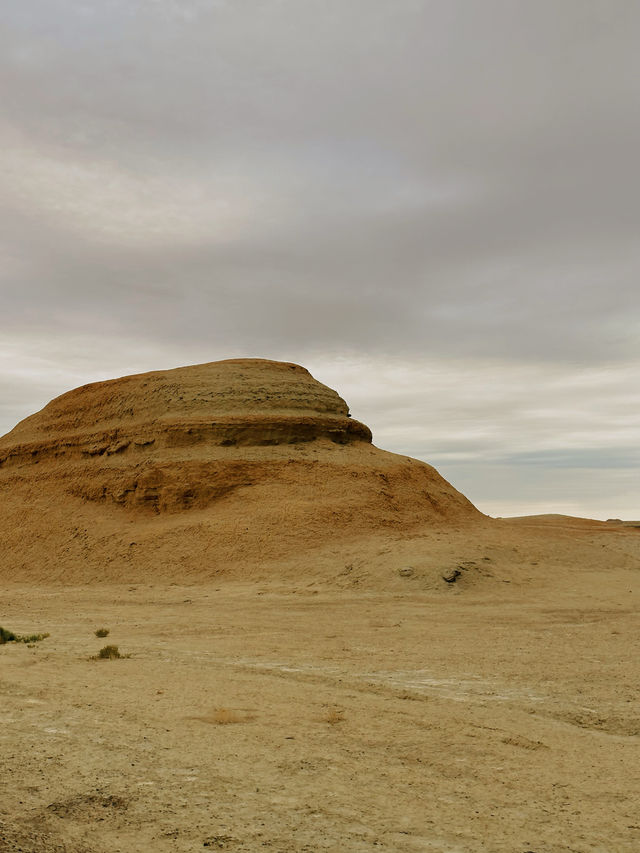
<point>434,205</point>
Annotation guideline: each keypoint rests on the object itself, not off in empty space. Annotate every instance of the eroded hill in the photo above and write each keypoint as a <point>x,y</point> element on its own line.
<point>201,470</point>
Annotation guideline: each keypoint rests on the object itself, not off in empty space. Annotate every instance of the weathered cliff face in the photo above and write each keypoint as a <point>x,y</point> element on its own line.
<point>221,393</point>
<point>165,441</point>
<point>197,468</point>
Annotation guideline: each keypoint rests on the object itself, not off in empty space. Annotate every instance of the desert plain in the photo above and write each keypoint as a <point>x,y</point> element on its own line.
<point>323,647</point>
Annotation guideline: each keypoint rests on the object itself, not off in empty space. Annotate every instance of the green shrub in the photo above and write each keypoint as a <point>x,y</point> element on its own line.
<point>7,636</point>
<point>10,637</point>
<point>109,653</point>
<point>102,632</point>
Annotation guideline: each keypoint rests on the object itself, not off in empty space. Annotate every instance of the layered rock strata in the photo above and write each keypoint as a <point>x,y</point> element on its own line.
<point>206,465</point>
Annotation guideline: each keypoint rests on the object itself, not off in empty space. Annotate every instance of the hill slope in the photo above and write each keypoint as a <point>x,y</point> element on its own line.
<point>191,472</point>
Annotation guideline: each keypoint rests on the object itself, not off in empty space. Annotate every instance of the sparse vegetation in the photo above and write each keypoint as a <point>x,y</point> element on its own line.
<point>218,841</point>
<point>31,638</point>
<point>334,716</point>
<point>102,632</point>
<point>225,716</point>
<point>109,653</point>
<point>9,637</point>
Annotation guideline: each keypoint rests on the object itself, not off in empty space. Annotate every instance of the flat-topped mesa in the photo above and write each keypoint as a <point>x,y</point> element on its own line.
<point>238,402</point>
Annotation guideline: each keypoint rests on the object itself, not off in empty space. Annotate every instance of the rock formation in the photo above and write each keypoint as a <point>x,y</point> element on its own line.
<point>192,471</point>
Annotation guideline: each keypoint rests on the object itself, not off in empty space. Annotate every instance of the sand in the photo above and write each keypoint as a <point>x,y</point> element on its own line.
<point>495,713</point>
<point>325,647</point>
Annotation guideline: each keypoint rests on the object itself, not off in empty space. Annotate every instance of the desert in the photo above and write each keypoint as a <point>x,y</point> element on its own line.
<point>319,426</point>
<point>322,646</point>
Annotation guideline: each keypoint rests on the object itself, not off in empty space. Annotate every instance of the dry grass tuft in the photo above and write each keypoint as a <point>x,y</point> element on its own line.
<point>225,717</point>
<point>334,716</point>
<point>109,653</point>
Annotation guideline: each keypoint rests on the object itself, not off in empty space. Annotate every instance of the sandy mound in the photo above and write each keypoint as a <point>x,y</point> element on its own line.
<point>201,470</point>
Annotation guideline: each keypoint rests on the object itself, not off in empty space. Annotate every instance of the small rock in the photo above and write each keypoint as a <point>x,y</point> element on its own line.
<point>452,575</point>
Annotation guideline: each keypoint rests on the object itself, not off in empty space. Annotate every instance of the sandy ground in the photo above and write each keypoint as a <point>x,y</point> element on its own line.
<point>476,716</point>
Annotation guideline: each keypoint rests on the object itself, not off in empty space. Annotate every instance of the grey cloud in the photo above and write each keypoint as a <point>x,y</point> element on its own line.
<point>587,492</point>
<point>449,178</point>
<point>427,182</point>
<point>604,457</point>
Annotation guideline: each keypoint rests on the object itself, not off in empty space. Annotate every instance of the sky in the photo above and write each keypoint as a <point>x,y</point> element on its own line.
<point>433,205</point>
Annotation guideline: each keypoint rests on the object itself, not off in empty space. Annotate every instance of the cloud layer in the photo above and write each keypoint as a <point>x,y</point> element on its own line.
<point>450,188</point>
